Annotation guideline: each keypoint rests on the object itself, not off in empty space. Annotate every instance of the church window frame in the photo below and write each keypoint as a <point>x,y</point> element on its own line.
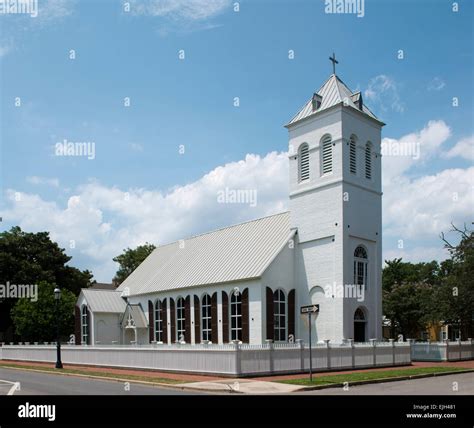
<point>361,264</point>
<point>180,319</point>
<point>206,318</point>
<point>303,163</point>
<point>158,312</point>
<point>326,146</point>
<point>236,317</point>
<point>279,315</point>
<point>84,325</point>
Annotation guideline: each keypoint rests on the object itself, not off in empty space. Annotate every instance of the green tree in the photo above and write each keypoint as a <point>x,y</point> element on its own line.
<point>36,321</point>
<point>130,259</point>
<point>29,258</point>
<point>458,289</point>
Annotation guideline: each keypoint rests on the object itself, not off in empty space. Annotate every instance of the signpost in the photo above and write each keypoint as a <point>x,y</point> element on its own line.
<point>310,309</point>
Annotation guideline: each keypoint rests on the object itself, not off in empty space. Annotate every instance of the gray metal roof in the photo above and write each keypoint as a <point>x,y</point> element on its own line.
<point>234,253</point>
<point>137,314</point>
<point>334,91</point>
<point>104,300</point>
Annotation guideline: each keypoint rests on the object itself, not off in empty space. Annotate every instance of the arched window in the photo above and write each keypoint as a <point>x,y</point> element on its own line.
<point>326,155</point>
<point>353,154</point>
<point>368,161</point>
<point>158,321</point>
<point>206,318</point>
<point>303,163</point>
<point>84,325</point>
<point>236,316</point>
<point>279,314</point>
<point>360,267</point>
<point>180,320</point>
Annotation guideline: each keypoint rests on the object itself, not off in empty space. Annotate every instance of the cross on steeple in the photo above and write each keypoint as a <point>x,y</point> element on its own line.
<point>334,62</point>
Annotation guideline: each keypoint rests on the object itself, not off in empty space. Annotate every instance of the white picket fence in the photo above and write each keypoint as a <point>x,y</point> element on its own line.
<point>227,360</point>
<point>442,351</point>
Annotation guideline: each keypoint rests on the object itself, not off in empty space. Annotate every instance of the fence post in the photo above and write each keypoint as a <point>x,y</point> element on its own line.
<point>301,346</point>
<point>469,339</point>
<point>460,349</point>
<point>351,344</point>
<point>392,343</point>
<point>328,354</point>
<point>374,352</point>
<point>446,341</point>
<point>238,359</point>
<point>270,353</point>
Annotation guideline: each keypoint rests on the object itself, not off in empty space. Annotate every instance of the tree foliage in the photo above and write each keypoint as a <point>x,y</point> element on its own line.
<point>130,259</point>
<point>36,321</point>
<point>33,258</point>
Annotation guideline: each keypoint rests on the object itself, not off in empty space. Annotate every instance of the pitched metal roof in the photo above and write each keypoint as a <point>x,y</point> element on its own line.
<point>104,300</point>
<point>138,316</point>
<point>234,253</point>
<point>334,91</point>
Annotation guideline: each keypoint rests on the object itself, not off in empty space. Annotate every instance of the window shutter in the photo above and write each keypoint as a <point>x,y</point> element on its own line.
<point>245,316</point>
<point>77,324</point>
<point>88,327</point>
<point>326,155</point>
<point>291,313</point>
<point>368,161</point>
<point>197,321</point>
<point>164,315</point>
<point>172,321</point>
<point>304,162</point>
<point>151,335</point>
<point>270,321</point>
<point>187,319</point>
<point>214,333</point>
<point>225,317</point>
<point>352,157</point>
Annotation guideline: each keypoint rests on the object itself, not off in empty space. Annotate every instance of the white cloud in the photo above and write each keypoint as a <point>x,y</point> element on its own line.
<point>436,84</point>
<point>53,10</point>
<point>136,147</point>
<point>104,220</point>
<point>382,91</point>
<point>192,10</point>
<point>463,149</point>
<point>53,182</point>
<point>419,147</point>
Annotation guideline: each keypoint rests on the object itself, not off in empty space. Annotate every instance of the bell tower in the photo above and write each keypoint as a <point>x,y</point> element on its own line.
<point>336,207</point>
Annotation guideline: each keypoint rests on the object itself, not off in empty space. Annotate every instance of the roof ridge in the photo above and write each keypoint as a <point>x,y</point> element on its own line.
<point>221,228</point>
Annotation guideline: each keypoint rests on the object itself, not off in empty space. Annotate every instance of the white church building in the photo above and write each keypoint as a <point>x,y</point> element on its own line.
<point>247,282</point>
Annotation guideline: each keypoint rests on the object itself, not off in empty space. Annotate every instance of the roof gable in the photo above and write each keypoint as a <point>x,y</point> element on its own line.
<point>333,92</point>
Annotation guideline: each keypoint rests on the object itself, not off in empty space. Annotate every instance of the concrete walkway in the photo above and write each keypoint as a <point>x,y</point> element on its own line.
<point>243,386</point>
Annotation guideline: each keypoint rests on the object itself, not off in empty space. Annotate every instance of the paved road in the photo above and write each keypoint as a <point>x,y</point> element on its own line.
<point>442,385</point>
<point>32,383</point>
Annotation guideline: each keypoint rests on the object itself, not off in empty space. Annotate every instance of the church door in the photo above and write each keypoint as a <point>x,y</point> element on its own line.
<point>359,326</point>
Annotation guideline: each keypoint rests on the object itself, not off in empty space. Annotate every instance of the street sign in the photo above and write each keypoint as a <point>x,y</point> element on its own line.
<point>310,308</point>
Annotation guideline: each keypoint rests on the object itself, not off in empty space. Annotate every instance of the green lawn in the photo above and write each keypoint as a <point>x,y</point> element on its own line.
<point>355,377</point>
<point>92,373</point>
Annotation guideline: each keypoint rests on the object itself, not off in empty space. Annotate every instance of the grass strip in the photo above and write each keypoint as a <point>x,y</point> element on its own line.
<point>367,376</point>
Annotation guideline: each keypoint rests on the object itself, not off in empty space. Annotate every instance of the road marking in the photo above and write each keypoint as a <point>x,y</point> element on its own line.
<point>15,386</point>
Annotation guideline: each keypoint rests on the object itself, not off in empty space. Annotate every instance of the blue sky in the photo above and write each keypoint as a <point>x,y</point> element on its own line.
<point>141,188</point>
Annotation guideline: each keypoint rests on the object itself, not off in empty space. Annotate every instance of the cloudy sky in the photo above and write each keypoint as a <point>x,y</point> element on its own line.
<point>185,98</point>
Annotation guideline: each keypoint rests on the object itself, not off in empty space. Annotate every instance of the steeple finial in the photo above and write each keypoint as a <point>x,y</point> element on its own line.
<point>334,62</point>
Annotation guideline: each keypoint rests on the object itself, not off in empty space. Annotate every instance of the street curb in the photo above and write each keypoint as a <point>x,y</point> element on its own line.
<point>386,380</point>
<point>116,379</point>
